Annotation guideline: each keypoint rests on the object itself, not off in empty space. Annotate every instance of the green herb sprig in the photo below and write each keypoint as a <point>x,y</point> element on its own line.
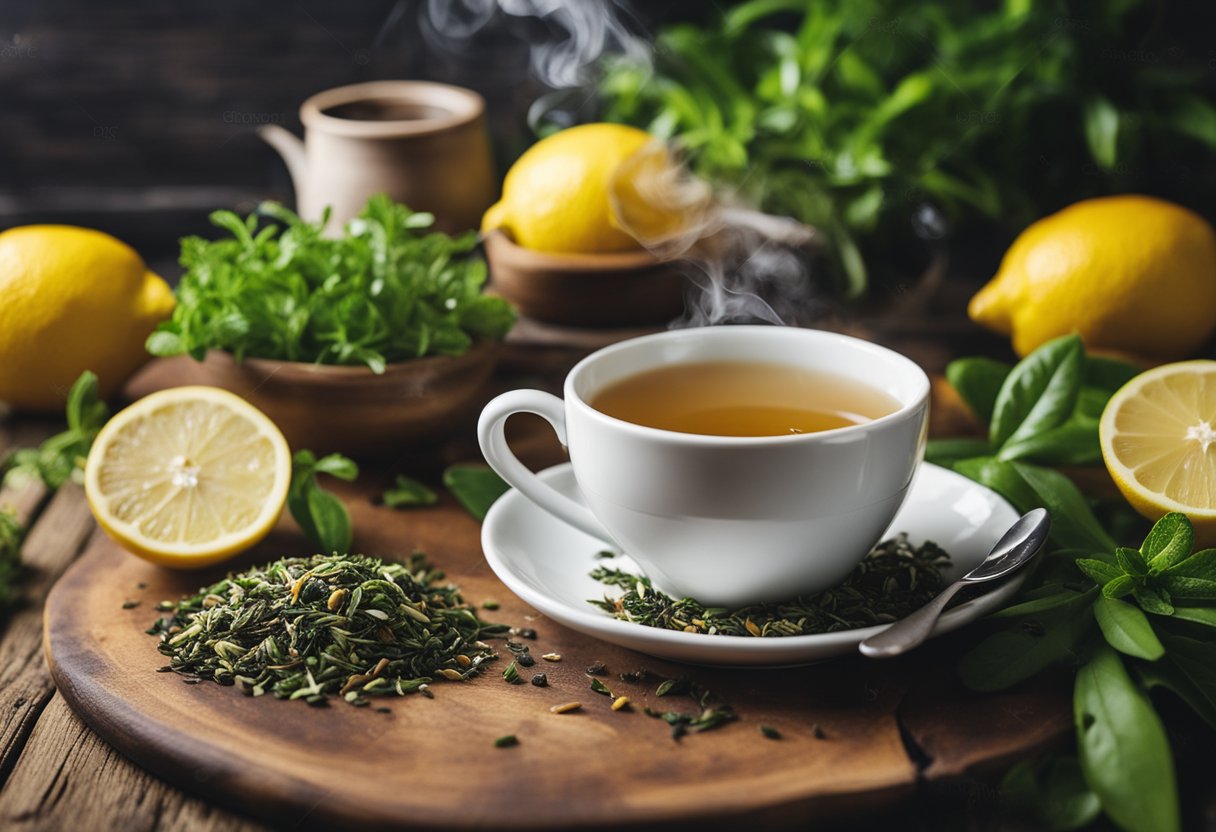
<point>320,514</point>
<point>11,535</point>
<point>1128,618</point>
<point>62,457</point>
<point>312,628</point>
<point>895,579</point>
<point>853,115</point>
<point>387,290</point>
<point>408,493</point>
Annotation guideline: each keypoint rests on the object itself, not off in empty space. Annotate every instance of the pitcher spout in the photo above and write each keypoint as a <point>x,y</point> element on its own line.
<point>291,148</point>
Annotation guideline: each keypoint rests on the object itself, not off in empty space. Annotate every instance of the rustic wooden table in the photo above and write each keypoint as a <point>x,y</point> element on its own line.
<point>56,773</point>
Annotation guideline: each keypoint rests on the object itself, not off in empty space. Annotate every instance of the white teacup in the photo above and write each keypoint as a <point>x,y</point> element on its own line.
<point>728,520</point>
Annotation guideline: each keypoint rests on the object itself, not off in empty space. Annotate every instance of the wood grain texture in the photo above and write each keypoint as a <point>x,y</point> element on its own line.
<point>432,763</point>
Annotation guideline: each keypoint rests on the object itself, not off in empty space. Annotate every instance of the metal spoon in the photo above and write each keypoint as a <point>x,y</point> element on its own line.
<point>1015,548</point>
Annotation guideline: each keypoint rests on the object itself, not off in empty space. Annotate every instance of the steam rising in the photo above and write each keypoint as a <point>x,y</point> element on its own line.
<point>747,266</point>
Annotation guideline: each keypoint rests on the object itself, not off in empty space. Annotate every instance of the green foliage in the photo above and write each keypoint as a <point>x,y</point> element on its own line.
<point>849,114</point>
<point>320,514</point>
<point>59,458</point>
<point>476,487</point>
<point>385,291</point>
<point>11,535</point>
<point>407,493</point>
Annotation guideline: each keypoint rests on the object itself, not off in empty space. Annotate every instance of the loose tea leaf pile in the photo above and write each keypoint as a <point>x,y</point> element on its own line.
<point>309,628</point>
<point>893,580</point>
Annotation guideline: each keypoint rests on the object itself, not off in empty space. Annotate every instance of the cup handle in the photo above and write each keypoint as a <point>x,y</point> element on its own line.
<point>491,435</point>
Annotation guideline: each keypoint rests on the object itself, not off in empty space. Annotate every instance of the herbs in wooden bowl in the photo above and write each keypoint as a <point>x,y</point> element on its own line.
<point>377,337</point>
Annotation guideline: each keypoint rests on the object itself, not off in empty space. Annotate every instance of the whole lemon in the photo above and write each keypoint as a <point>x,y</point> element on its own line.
<point>569,192</point>
<point>74,299</point>
<point>1130,273</point>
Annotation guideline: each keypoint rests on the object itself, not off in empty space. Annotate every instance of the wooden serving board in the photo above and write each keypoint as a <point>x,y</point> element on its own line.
<point>886,727</point>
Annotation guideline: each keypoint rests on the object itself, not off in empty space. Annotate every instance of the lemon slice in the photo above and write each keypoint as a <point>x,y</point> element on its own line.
<point>188,476</point>
<point>1158,438</point>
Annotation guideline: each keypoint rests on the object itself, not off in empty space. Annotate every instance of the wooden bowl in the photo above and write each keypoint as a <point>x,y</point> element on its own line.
<point>348,410</point>
<point>621,289</point>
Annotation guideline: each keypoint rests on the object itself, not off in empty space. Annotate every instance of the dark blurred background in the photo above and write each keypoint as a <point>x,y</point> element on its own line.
<point>139,117</point>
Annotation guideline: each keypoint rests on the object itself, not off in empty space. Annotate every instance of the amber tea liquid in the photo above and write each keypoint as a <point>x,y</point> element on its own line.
<point>734,398</point>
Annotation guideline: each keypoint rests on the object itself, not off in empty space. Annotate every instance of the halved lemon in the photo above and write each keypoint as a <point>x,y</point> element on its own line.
<point>188,477</point>
<point>1158,438</point>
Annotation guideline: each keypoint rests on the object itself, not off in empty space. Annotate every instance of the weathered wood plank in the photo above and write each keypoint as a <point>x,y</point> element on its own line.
<point>54,542</point>
<point>69,779</point>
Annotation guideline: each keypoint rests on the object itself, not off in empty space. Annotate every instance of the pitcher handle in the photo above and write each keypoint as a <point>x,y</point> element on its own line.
<point>491,435</point>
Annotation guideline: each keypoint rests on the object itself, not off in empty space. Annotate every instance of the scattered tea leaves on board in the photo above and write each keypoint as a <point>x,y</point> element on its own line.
<point>895,579</point>
<point>330,625</point>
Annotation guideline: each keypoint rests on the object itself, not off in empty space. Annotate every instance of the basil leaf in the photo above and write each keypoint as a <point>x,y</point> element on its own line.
<point>1124,753</point>
<point>1011,655</point>
<point>978,381</point>
<point>1040,392</point>
<point>476,487</point>
<point>1002,478</point>
<point>409,492</point>
<point>1189,670</point>
<point>330,520</point>
<point>1099,570</point>
<point>338,466</point>
<point>1127,629</point>
<point>1073,524</point>
<point>1072,443</point>
<point>1169,541</point>
<point>946,452</point>
<point>1051,795</point>
<point>1108,374</point>
<point>1196,615</point>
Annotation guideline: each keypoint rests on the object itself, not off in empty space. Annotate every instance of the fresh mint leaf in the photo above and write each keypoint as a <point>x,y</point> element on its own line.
<point>1040,392</point>
<point>62,456</point>
<point>1153,600</point>
<point>1123,749</point>
<point>1131,561</point>
<point>1199,693</point>
<point>1073,443</point>
<point>1050,795</point>
<point>1169,542</point>
<point>978,381</point>
<point>1102,130</point>
<point>1099,570</point>
<point>946,452</point>
<point>476,487</point>
<point>1120,587</point>
<point>1127,629</point>
<point>387,290</point>
<point>407,493</point>
<point>1037,606</point>
<point>320,515</point>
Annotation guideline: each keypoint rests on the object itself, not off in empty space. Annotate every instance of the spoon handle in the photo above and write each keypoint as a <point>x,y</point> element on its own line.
<point>908,632</point>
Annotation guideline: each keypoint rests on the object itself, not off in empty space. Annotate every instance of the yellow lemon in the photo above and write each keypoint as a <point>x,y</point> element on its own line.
<point>588,189</point>
<point>188,477</point>
<point>74,299</point>
<point>1158,437</point>
<point>1131,274</point>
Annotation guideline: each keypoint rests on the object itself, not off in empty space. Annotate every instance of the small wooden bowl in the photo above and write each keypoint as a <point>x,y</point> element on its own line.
<point>621,289</point>
<point>348,410</point>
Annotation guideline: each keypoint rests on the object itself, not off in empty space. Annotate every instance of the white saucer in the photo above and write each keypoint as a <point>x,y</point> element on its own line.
<point>547,564</point>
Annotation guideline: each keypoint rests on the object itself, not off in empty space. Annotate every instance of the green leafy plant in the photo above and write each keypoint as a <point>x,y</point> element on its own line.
<point>408,493</point>
<point>1128,619</point>
<point>11,535</point>
<point>385,291</point>
<point>319,513</point>
<point>852,115</point>
<point>475,487</point>
<point>62,456</point>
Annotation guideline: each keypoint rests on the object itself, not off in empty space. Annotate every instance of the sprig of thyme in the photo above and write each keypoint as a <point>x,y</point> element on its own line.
<point>892,581</point>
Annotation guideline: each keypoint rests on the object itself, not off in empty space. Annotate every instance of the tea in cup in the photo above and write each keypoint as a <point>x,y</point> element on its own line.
<point>735,464</point>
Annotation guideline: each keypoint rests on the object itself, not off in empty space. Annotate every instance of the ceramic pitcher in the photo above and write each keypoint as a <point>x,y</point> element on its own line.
<point>422,143</point>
